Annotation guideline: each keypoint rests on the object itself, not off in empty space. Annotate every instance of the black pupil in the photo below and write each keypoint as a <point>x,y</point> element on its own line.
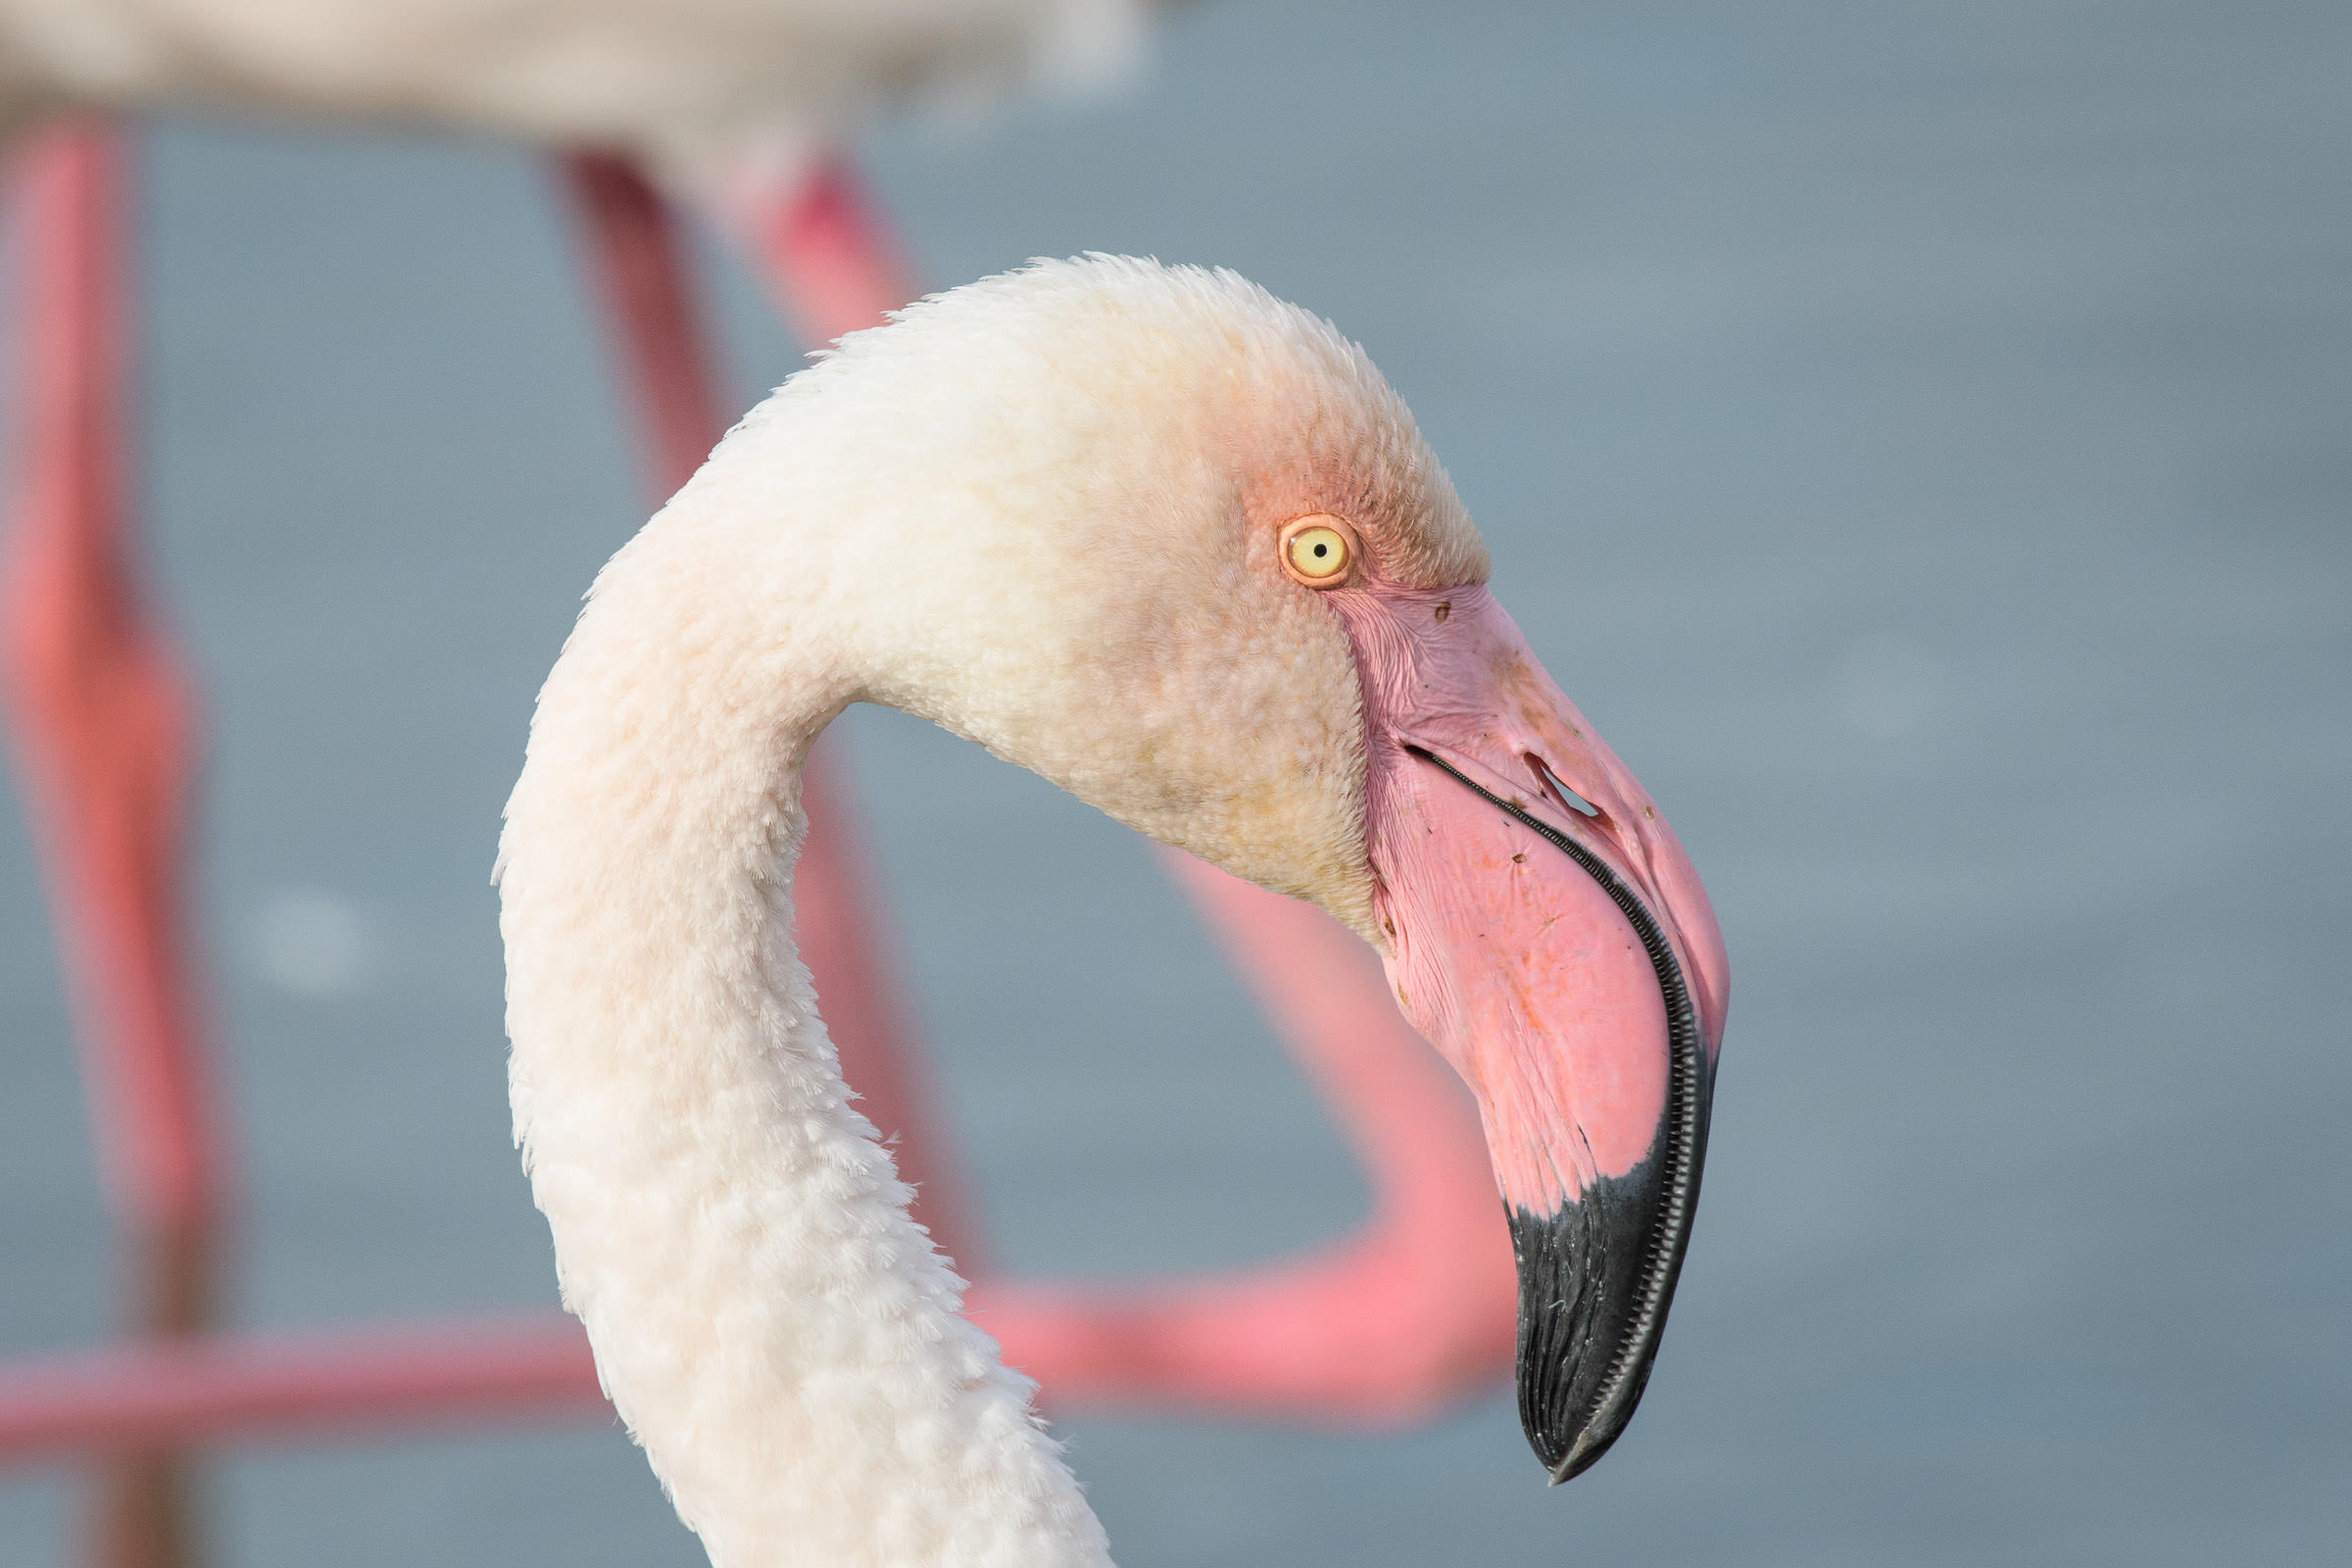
<point>1321,550</point>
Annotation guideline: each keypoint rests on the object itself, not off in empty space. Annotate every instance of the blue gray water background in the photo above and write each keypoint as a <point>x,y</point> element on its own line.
<point>1916,435</point>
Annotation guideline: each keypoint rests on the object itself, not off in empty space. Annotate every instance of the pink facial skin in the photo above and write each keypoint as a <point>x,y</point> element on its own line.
<point>1506,954</point>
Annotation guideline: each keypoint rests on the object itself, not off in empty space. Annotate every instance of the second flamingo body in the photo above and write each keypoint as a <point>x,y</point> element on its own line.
<point>684,83</point>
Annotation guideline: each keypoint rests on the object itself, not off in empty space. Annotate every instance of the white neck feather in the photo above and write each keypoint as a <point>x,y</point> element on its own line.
<point>776,1330</point>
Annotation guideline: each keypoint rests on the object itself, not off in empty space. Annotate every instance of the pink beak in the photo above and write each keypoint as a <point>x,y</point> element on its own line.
<point>1548,936</point>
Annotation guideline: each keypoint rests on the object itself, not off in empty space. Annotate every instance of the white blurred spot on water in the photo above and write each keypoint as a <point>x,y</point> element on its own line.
<point>310,943</point>
<point>1886,687</point>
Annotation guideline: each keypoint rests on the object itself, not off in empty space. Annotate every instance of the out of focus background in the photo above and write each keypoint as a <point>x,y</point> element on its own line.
<point>1919,437</point>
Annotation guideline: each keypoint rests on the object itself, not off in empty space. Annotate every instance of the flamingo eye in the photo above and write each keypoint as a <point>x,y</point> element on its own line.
<point>1317,550</point>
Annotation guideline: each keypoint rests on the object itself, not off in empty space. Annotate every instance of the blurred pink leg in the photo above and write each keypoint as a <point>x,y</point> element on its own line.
<point>1415,1311</point>
<point>366,1382</point>
<point>831,263</point>
<point>105,742</point>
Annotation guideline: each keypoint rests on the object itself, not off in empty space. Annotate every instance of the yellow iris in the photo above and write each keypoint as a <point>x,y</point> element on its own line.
<point>1318,553</point>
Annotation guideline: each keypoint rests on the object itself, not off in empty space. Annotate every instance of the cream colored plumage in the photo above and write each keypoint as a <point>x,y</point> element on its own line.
<point>1039,510</point>
<point>684,83</point>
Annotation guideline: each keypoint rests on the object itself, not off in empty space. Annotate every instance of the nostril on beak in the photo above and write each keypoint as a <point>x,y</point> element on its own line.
<point>1603,825</point>
<point>1560,792</point>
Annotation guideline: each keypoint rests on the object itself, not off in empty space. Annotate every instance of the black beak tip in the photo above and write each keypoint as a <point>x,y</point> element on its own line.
<point>1593,1295</point>
<point>1568,1450</point>
<point>1565,1456</point>
<point>1579,1459</point>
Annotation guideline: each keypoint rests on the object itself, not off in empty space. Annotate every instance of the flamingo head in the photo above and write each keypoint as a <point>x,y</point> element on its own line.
<point>1177,546</point>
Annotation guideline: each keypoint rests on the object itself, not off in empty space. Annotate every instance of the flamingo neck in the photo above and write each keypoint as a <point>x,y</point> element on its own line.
<point>778,1334</point>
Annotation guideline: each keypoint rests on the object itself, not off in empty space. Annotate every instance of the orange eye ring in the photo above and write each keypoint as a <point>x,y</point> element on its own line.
<point>1318,550</point>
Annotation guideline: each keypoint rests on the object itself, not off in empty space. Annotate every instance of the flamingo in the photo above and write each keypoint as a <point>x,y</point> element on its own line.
<point>1176,547</point>
<point>730,101</point>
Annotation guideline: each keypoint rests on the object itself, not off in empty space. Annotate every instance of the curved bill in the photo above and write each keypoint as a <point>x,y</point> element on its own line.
<point>1548,935</point>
